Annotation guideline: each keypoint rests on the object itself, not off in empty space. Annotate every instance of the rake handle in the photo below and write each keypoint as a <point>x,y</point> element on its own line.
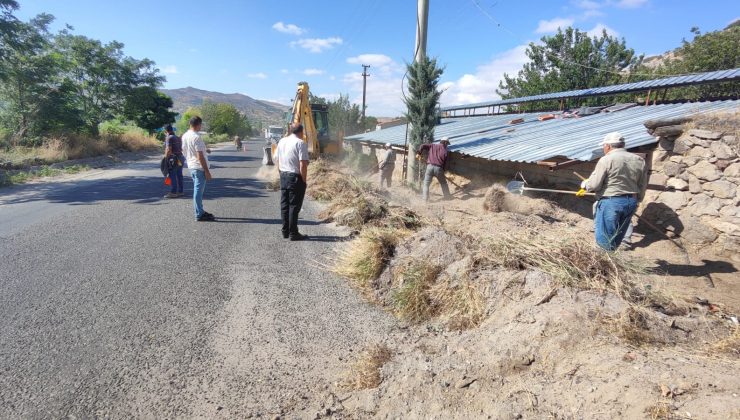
<point>553,191</point>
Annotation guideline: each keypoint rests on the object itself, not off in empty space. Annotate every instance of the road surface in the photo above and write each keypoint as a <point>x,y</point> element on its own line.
<point>115,302</point>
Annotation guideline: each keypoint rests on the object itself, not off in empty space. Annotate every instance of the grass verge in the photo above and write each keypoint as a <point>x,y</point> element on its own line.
<point>22,177</point>
<point>365,372</point>
<point>412,299</point>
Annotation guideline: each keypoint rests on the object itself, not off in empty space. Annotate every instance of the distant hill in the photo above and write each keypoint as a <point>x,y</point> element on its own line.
<point>255,109</point>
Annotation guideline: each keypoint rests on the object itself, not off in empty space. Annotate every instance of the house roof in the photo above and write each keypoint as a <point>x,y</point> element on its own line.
<point>493,138</point>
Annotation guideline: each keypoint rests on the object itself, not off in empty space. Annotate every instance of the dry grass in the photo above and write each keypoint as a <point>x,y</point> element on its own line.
<point>661,410</point>
<point>77,147</point>
<point>729,345</point>
<point>365,372</point>
<point>494,199</point>
<point>631,326</point>
<point>570,261</point>
<point>363,259</point>
<point>412,298</point>
<point>726,122</point>
<point>459,302</point>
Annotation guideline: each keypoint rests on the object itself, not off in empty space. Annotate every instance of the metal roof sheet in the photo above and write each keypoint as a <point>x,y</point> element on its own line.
<point>493,138</point>
<point>674,81</point>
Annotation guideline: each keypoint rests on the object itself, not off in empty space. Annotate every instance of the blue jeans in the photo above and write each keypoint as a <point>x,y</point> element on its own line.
<point>199,187</point>
<point>613,216</point>
<point>176,176</point>
<point>434,171</point>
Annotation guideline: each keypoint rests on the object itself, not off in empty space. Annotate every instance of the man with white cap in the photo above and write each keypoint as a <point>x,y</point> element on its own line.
<point>436,164</point>
<point>619,181</point>
<point>387,166</point>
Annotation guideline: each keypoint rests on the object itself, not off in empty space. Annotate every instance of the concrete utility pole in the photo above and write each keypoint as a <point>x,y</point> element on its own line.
<point>422,16</point>
<point>364,90</point>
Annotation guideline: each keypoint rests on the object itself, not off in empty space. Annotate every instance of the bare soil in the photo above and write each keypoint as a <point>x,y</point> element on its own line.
<point>544,350</point>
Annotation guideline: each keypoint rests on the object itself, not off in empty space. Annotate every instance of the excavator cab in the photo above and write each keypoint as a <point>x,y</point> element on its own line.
<point>321,122</point>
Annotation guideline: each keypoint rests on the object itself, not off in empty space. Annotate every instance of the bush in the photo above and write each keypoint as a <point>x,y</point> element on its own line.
<point>216,138</point>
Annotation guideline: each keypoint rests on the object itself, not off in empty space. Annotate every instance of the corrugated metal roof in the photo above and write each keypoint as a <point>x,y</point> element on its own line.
<point>493,138</point>
<point>675,81</point>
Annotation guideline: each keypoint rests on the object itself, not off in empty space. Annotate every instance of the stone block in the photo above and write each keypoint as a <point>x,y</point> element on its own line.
<point>682,145</point>
<point>730,214</point>
<point>722,151</point>
<point>676,159</point>
<point>724,227</point>
<point>694,185</point>
<point>677,184</point>
<point>732,171</point>
<point>701,152</point>
<point>674,199</point>
<point>705,171</point>
<point>697,232</point>
<point>672,168</point>
<point>705,134</point>
<point>691,160</point>
<point>703,205</point>
<point>723,189</point>
<point>722,164</point>
<point>658,179</point>
<point>731,141</point>
<point>666,144</point>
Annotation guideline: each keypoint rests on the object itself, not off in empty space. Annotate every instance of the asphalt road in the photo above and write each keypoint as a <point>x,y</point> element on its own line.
<point>115,302</point>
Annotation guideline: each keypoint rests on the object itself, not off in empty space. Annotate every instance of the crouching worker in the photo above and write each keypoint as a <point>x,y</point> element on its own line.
<point>619,181</point>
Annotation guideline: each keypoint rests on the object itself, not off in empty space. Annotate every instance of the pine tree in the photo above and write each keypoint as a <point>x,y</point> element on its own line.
<point>422,103</point>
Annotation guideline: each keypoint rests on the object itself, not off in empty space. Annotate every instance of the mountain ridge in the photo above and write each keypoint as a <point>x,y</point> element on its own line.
<point>255,109</point>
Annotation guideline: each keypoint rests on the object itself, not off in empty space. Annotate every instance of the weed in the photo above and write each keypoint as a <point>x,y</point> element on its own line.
<point>363,259</point>
<point>365,371</point>
<point>729,345</point>
<point>412,298</point>
<point>460,302</point>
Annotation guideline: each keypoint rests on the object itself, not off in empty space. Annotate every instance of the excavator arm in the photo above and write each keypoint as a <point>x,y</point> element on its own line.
<point>302,114</point>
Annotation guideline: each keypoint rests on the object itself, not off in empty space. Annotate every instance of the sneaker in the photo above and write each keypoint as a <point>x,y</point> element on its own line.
<point>286,235</point>
<point>206,217</point>
<point>180,194</point>
<point>298,237</point>
<point>171,195</point>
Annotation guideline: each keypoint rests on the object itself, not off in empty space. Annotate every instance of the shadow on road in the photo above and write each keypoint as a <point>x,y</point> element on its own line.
<point>264,221</point>
<point>137,190</point>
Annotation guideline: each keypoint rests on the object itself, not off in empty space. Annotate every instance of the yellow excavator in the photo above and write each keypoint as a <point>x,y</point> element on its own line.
<point>315,120</point>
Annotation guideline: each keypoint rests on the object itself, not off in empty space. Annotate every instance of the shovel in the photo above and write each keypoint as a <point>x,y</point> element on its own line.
<point>518,187</point>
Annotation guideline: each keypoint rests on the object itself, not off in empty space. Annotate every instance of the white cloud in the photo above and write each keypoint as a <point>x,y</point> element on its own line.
<point>597,30</point>
<point>481,86</point>
<point>317,45</point>
<point>171,69</point>
<point>552,25</point>
<point>259,75</point>
<point>379,63</point>
<point>591,13</point>
<point>631,4</point>
<point>332,77</point>
<point>384,96</point>
<point>313,72</point>
<point>284,71</point>
<point>288,28</point>
<point>588,4</point>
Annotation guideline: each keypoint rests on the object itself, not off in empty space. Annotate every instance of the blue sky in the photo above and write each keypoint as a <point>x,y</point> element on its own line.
<point>262,48</point>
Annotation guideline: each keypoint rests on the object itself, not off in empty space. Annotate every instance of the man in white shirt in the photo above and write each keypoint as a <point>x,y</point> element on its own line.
<point>292,161</point>
<point>195,152</point>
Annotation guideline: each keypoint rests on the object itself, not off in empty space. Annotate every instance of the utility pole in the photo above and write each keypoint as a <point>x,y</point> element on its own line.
<point>364,91</point>
<point>422,16</point>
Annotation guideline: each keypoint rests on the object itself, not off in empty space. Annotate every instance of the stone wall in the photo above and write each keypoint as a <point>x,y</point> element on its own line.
<point>699,172</point>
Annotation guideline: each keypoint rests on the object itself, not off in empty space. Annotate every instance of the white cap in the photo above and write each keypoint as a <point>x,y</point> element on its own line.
<point>614,137</point>
<point>445,138</point>
<point>387,145</point>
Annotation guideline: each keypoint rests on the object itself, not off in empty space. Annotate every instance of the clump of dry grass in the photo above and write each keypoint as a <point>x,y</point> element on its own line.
<point>729,345</point>
<point>459,302</point>
<point>661,410</point>
<point>412,299</point>
<point>726,122</point>
<point>631,325</point>
<point>365,372</point>
<point>363,259</point>
<point>494,199</point>
<point>570,261</point>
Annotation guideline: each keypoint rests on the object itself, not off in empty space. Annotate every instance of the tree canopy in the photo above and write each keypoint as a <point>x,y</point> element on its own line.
<point>56,83</point>
<point>422,103</point>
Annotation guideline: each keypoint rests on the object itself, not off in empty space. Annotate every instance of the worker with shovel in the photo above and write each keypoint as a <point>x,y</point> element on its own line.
<point>619,181</point>
<point>436,162</point>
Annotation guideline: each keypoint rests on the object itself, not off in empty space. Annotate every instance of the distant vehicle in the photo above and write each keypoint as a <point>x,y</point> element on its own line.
<point>274,133</point>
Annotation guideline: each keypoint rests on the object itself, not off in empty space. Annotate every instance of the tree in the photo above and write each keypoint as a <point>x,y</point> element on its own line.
<point>370,123</point>
<point>28,74</point>
<point>148,108</point>
<point>422,104</point>
<point>183,123</point>
<point>103,77</point>
<point>223,118</point>
<point>344,117</point>
<point>570,60</point>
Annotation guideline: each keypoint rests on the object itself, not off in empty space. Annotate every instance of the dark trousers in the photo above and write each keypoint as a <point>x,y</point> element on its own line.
<point>176,175</point>
<point>292,191</point>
